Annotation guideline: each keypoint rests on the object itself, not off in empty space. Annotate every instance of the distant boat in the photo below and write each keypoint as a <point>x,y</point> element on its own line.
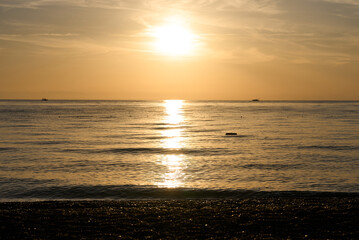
<point>44,99</point>
<point>255,100</point>
<point>231,134</point>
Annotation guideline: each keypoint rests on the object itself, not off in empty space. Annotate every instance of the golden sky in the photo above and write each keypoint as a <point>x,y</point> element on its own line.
<point>183,49</point>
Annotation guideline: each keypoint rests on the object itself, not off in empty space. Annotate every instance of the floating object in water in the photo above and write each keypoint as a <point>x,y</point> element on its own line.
<point>44,99</point>
<point>231,134</point>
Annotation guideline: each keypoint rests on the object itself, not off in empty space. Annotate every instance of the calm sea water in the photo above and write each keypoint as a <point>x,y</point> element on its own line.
<point>175,149</point>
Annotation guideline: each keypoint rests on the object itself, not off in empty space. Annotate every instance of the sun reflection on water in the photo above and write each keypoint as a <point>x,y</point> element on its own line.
<point>174,111</point>
<point>175,164</point>
<point>174,176</point>
<point>173,139</point>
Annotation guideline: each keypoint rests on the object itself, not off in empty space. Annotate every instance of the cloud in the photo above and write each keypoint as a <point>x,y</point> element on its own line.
<point>48,43</point>
<point>349,2</point>
<point>22,3</point>
<point>247,56</point>
<point>262,30</point>
<point>267,6</point>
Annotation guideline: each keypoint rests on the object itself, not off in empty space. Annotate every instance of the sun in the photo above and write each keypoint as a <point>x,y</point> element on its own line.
<point>174,38</point>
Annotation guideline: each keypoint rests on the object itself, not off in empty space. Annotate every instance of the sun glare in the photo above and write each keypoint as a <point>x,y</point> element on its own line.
<point>174,38</point>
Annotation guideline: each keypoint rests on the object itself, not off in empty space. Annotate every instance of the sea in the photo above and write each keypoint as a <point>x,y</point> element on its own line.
<point>176,149</point>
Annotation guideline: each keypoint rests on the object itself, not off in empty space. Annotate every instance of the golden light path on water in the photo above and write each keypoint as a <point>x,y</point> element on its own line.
<point>175,164</point>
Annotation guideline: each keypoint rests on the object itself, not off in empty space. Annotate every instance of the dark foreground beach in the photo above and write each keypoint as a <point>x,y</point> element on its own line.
<point>252,218</point>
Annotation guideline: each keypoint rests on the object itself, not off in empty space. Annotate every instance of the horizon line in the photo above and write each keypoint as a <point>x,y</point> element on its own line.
<point>260,100</point>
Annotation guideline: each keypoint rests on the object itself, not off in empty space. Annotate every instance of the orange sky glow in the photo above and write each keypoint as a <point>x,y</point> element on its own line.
<point>195,50</point>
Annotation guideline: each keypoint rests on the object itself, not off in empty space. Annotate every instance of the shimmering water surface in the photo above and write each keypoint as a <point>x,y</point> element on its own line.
<point>143,149</point>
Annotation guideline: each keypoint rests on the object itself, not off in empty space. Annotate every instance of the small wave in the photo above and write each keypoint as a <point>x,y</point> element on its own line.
<point>156,137</point>
<point>330,147</point>
<point>167,127</point>
<point>165,151</point>
<point>272,166</point>
<point>12,111</point>
<point>81,116</point>
<point>20,126</point>
<point>125,192</point>
<point>202,130</point>
<point>151,192</point>
<point>51,142</point>
<point>236,136</point>
<point>6,149</point>
<point>29,181</point>
<point>147,124</point>
<point>77,126</point>
<point>137,136</point>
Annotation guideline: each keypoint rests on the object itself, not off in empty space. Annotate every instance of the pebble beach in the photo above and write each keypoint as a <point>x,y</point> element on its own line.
<point>252,218</point>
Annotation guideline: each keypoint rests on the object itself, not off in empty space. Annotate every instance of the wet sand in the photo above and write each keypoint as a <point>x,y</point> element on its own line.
<point>266,218</point>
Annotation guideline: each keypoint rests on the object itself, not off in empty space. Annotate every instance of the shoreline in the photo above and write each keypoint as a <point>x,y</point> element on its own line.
<point>92,193</point>
<point>270,218</point>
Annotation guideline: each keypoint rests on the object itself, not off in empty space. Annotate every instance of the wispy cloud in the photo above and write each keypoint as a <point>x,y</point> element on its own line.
<point>46,43</point>
<point>260,30</point>
<point>350,2</point>
<point>267,6</point>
